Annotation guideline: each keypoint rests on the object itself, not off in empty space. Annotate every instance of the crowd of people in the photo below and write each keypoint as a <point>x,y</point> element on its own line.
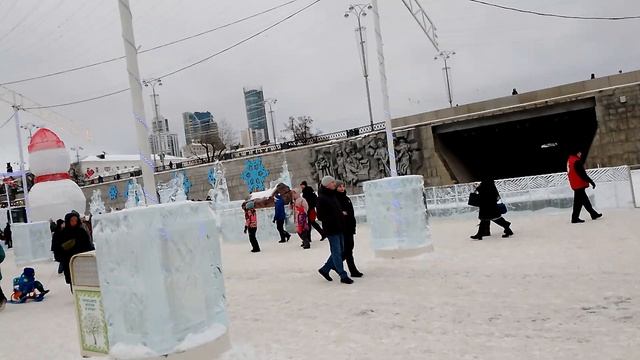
<point>332,207</point>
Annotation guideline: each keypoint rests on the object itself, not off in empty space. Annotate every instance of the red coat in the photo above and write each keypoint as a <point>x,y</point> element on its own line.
<point>576,181</point>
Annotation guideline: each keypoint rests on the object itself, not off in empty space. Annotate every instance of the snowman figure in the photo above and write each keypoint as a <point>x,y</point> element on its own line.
<point>54,194</point>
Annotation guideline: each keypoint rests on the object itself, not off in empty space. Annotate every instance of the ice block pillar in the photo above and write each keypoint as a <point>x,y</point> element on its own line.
<point>31,242</point>
<point>397,216</point>
<point>161,279</point>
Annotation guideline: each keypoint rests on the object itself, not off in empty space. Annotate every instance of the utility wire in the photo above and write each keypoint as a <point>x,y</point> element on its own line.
<point>184,67</point>
<point>238,43</point>
<point>7,121</point>
<point>151,49</point>
<point>531,12</point>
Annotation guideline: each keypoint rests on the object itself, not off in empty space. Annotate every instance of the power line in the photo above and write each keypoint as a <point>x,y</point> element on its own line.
<point>531,12</point>
<point>7,121</point>
<point>77,68</point>
<point>239,42</point>
<point>184,67</point>
<point>78,101</point>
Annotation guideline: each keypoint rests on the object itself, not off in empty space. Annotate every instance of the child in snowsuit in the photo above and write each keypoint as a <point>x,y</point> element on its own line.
<point>251,225</point>
<point>25,286</point>
<point>301,209</point>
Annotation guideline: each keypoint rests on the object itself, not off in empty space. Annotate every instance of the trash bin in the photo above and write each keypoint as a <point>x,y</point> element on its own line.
<point>92,326</point>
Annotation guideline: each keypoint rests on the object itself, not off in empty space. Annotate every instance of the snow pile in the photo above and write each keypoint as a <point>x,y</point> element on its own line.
<point>31,242</point>
<point>397,214</point>
<point>160,274</point>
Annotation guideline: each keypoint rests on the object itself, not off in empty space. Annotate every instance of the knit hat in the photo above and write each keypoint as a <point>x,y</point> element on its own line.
<point>327,180</point>
<point>340,182</point>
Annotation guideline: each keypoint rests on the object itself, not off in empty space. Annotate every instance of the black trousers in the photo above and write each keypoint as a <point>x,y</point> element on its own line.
<point>283,234</point>
<point>318,228</point>
<point>2,297</point>
<point>252,238</point>
<point>581,199</point>
<point>485,226</point>
<point>347,253</point>
<point>305,236</point>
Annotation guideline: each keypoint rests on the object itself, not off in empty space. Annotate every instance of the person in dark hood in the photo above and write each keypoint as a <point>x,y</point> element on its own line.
<point>489,211</point>
<point>349,229</point>
<point>312,200</point>
<point>279,217</point>
<point>580,181</point>
<point>330,213</point>
<point>8,238</point>
<point>73,240</point>
<point>57,232</point>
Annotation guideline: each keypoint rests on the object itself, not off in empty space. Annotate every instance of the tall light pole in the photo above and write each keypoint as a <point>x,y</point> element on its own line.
<point>25,185</point>
<point>77,150</point>
<point>360,11</point>
<point>29,127</point>
<point>445,55</point>
<point>270,102</point>
<point>155,126</point>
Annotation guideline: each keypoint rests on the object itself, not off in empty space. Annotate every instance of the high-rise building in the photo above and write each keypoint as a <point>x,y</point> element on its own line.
<point>200,128</point>
<point>162,141</point>
<point>256,114</point>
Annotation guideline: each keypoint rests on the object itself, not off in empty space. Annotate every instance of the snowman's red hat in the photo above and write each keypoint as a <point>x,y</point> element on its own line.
<point>45,139</point>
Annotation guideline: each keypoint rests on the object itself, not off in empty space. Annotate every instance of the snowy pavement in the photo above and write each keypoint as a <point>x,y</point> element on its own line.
<point>554,291</point>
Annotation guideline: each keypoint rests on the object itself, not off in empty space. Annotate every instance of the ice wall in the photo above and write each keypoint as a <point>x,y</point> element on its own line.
<point>31,242</point>
<point>161,277</point>
<point>397,215</point>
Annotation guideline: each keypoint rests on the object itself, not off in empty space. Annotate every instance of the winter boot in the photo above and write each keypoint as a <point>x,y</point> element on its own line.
<point>346,280</point>
<point>325,275</point>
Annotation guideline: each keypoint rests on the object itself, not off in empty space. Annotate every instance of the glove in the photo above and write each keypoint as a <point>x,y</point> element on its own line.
<point>245,229</point>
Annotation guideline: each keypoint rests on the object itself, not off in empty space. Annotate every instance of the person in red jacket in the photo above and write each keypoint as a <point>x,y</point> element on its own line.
<point>580,181</point>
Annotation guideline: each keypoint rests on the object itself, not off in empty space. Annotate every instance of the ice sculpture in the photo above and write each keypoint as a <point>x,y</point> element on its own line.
<point>172,191</point>
<point>96,206</point>
<point>219,194</point>
<point>31,242</point>
<point>161,278</point>
<point>135,195</point>
<point>397,215</point>
<point>284,178</point>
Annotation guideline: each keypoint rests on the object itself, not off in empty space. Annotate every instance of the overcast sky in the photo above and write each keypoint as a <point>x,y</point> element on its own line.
<point>310,63</point>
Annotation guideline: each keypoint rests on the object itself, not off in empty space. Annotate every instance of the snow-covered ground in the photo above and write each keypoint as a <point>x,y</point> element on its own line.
<point>554,291</point>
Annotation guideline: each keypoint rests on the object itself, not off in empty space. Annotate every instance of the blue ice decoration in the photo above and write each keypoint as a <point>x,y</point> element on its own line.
<point>186,183</point>
<point>254,174</point>
<point>125,194</point>
<point>113,192</point>
<point>211,176</point>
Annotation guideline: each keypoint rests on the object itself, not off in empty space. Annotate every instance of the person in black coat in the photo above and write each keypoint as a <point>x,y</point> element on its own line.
<point>57,232</point>
<point>312,199</point>
<point>330,213</point>
<point>8,237</point>
<point>489,211</point>
<point>72,240</point>
<point>349,229</point>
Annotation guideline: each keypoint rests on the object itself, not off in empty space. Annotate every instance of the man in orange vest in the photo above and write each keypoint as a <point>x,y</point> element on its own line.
<point>580,181</point>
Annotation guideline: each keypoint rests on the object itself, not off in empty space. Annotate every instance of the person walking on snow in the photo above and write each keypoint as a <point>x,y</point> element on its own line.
<point>73,240</point>
<point>3,299</point>
<point>279,217</point>
<point>8,238</point>
<point>349,229</point>
<point>251,225</point>
<point>300,210</point>
<point>312,199</point>
<point>330,213</point>
<point>489,211</point>
<point>580,181</point>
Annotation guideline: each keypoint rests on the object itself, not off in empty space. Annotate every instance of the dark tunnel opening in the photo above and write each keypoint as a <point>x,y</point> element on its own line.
<point>507,149</point>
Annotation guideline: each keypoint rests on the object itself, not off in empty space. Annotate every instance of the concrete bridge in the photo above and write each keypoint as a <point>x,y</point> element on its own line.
<point>521,135</point>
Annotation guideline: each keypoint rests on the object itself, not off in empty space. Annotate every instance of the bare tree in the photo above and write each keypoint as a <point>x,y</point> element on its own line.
<point>93,326</point>
<point>228,136</point>
<point>300,128</point>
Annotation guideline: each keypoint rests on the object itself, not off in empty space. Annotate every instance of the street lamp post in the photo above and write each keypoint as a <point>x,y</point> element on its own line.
<point>155,127</point>
<point>445,55</point>
<point>270,102</point>
<point>360,11</point>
